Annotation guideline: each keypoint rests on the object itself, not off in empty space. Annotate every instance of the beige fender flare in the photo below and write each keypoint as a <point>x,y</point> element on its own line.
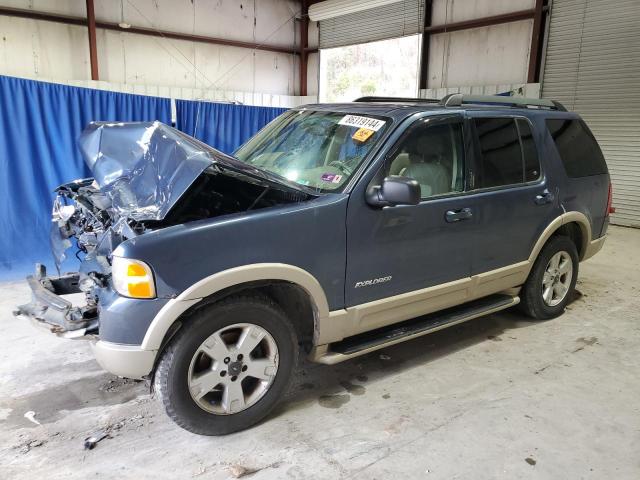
<point>588,247</point>
<point>174,308</point>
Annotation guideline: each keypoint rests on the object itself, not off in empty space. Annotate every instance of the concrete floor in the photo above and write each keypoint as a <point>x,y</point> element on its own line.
<point>498,397</point>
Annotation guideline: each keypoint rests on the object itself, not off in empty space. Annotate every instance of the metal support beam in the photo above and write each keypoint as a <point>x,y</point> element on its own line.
<point>426,43</point>
<point>481,22</point>
<point>304,44</point>
<point>93,50</point>
<point>51,17</point>
<point>536,37</point>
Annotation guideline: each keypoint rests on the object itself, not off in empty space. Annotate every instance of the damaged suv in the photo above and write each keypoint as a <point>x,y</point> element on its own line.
<point>337,230</point>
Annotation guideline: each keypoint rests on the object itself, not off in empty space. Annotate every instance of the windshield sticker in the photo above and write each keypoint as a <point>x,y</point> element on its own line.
<point>362,134</point>
<point>362,122</point>
<point>331,177</point>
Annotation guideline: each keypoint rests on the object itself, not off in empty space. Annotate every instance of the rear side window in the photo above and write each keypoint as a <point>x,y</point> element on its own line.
<point>577,147</point>
<point>508,153</point>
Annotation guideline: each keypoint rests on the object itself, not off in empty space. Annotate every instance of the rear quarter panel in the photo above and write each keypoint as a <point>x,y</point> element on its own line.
<point>587,195</point>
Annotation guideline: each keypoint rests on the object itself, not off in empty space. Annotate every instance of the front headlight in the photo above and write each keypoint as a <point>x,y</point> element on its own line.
<point>132,278</point>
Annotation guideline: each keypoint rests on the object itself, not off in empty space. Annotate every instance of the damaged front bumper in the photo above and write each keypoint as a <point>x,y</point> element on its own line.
<point>121,320</point>
<point>49,309</point>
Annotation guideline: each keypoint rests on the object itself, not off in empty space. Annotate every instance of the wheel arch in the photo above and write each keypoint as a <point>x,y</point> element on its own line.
<point>575,225</point>
<point>295,290</point>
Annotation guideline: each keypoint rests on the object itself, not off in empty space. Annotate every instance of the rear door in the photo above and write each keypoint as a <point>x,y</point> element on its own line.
<point>514,198</point>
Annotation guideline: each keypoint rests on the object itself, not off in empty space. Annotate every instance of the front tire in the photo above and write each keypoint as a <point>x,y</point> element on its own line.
<point>228,367</point>
<point>553,277</point>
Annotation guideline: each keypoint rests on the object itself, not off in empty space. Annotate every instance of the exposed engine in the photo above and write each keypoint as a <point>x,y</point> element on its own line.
<point>82,215</point>
<point>80,211</point>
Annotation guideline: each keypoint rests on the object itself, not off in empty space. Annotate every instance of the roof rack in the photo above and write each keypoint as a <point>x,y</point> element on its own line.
<point>458,99</point>
<point>396,100</point>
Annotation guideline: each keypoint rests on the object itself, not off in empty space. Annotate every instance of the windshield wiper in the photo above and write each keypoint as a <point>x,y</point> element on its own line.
<point>255,202</point>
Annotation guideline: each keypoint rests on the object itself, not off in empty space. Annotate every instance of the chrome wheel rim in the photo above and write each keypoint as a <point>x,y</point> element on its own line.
<point>233,369</point>
<point>556,280</point>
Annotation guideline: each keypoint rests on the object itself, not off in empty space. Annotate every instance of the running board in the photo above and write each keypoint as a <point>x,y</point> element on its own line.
<point>363,343</point>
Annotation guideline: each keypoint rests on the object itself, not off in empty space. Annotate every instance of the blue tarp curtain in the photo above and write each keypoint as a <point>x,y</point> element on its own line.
<point>39,126</point>
<point>223,126</point>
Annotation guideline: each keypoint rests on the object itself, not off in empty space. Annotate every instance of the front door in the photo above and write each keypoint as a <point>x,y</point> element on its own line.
<point>394,250</point>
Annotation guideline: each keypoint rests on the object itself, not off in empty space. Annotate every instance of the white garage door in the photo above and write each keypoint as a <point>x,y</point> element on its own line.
<point>397,19</point>
<point>592,66</point>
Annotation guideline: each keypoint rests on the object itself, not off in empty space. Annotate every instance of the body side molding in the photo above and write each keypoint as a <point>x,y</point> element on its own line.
<point>341,324</point>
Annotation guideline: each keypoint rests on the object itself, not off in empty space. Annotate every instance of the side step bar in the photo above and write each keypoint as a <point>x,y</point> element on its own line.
<point>367,342</point>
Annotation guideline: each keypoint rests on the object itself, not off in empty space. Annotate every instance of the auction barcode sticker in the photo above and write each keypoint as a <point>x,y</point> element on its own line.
<point>362,122</point>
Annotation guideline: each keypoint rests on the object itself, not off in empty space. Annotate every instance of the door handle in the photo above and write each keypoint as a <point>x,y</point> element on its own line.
<point>457,215</point>
<point>544,198</point>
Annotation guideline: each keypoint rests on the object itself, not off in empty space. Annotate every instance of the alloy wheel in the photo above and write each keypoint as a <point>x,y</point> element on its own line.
<point>556,280</point>
<point>233,369</point>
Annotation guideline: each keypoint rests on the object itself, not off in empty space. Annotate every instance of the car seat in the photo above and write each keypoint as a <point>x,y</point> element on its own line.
<point>428,161</point>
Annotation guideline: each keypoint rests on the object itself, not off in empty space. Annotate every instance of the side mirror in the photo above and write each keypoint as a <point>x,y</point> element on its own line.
<point>395,190</point>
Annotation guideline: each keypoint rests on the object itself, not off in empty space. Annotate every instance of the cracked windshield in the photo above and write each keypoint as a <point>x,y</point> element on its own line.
<point>320,150</point>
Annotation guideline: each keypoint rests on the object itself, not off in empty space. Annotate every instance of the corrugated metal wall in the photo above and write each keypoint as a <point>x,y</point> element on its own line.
<point>592,66</point>
<point>388,21</point>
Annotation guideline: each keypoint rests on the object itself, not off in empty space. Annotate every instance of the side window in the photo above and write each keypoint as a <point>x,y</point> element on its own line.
<point>577,147</point>
<point>529,151</point>
<point>508,154</point>
<point>500,161</point>
<point>433,155</point>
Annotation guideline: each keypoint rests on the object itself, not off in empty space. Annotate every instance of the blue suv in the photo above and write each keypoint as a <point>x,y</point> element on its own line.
<point>337,230</point>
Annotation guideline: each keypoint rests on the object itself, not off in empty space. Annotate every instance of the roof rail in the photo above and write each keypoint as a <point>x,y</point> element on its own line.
<point>396,100</point>
<point>458,99</point>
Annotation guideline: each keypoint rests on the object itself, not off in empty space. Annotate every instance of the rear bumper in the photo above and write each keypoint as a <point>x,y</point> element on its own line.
<point>594,247</point>
<point>128,361</point>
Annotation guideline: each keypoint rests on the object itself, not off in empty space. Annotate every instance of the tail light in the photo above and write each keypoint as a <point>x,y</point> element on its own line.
<point>610,208</point>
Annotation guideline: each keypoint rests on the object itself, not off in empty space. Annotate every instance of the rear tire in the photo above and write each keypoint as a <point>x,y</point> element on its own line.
<point>213,380</point>
<point>552,279</point>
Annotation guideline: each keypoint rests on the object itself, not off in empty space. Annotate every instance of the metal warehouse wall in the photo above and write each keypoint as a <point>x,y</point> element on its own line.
<point>53,51</point>
<point>592,66</point>
<point>492,55</point>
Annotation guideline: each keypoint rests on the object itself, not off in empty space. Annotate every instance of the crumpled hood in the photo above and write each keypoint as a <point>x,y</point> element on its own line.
<point>145,167</point>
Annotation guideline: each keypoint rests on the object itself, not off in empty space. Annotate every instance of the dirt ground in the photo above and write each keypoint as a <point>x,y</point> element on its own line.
<point>497,397</point>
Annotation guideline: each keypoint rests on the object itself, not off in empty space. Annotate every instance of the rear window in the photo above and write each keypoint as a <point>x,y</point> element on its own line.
<point>578,149</point>
<point>508,154</point>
